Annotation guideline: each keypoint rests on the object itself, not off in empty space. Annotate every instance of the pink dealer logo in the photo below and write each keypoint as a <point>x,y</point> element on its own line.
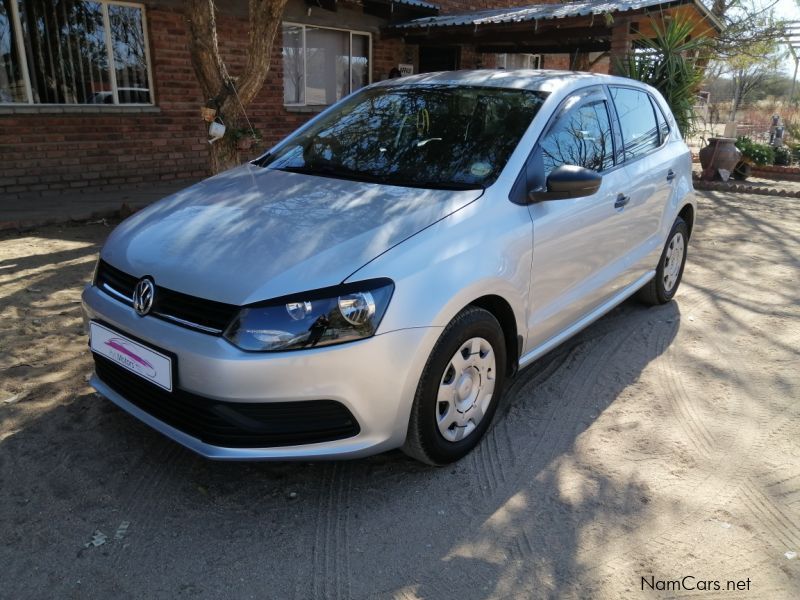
<point>121,352</point>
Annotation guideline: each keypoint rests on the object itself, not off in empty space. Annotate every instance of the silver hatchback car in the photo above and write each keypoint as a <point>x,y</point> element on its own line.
<point>371,281</point>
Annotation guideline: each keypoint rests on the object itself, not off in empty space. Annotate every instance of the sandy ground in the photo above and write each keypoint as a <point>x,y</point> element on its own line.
<point>660,442</point>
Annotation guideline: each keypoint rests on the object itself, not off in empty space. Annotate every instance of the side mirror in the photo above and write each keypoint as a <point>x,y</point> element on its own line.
<point>568,181</point>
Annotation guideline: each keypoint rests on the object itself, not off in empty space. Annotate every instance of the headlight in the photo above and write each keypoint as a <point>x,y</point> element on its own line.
<point>319,318</point>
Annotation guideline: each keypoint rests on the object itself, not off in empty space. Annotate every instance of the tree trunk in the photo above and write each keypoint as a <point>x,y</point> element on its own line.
<point>231,95</point>
<point>736,99</point>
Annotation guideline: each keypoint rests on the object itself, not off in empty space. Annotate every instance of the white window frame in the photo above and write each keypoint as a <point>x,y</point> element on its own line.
<point>537,59</point>
<point>303,26</point>
<point>16,24</point>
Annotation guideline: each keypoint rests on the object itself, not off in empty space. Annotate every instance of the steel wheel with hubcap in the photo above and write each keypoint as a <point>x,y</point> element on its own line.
<point>458,392</point>
<point>661,289</point>
<point>466,389</point>
<point>673,261</point>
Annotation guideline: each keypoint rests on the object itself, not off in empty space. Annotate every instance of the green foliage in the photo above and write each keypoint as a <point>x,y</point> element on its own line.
<point>783,157</point>
<point>793,129</point>
<point>246,132</point>
<point>666,63</point>
<point>794,149</point>
<point>759,154</point>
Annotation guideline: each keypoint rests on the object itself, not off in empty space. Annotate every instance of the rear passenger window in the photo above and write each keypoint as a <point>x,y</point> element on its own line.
<point>663,128</point>
<point>582,138</point>
<point>637,121</point>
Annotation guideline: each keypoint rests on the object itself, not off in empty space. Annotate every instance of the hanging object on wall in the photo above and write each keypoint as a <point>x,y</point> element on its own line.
<point>215,131</point>
<point>208,114</point>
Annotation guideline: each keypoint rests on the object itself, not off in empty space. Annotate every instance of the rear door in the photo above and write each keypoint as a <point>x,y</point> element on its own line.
<point>651,165</point>
<point>578,257</point>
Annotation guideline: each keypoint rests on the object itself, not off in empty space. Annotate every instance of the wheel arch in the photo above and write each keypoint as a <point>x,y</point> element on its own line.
<point>502,311</point>
<point>687,214</point>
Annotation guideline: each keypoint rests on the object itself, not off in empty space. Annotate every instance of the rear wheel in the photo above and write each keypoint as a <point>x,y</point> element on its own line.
<point>662,288</point>
<point>459,389</point>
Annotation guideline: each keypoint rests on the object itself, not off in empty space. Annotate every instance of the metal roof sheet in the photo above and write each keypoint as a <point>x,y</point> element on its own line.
<point>537,12</point>
<point>418,3</point>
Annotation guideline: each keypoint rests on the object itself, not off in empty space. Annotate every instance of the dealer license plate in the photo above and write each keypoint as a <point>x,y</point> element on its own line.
<point>133,356</point>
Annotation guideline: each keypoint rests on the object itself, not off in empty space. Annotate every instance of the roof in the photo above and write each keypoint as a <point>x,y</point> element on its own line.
<point>528,79</point>
<point>417,3</point>
<point>538,12</point>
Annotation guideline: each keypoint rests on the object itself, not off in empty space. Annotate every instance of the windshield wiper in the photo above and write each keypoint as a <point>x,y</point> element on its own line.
<point>336,172</point>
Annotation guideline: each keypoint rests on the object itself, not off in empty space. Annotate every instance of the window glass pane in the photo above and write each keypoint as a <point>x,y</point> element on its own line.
<point>360,62</point>
<point>582,138</point>
<point>517,61</point>
<point>293,80</point>
<point>66,51</point>
<point>130,60</point>
<point>428,136</point>
<point>12,82</point>
<point>327,65</point>
<point>663,128</point>
<point>637,120</point>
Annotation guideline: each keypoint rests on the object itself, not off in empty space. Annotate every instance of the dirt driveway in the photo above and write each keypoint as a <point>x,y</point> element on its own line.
<point>658,443</point>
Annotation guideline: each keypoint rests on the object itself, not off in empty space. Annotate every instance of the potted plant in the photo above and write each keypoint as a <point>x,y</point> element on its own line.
<point>783,156</point>
<point>246,138</point>
<point>753,154</point>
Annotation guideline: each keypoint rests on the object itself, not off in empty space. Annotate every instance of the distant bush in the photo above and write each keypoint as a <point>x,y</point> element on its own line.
<point>759,154</point>
<point>783,157</point>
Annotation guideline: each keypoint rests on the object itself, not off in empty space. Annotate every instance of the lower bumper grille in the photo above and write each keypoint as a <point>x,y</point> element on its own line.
<point>232,424</point>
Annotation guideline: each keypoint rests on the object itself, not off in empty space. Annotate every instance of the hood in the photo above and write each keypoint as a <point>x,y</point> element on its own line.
<point>254,233</point>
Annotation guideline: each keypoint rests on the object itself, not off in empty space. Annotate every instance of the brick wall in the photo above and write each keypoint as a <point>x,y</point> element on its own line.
<point>45,151</point>
<point>50,150</point>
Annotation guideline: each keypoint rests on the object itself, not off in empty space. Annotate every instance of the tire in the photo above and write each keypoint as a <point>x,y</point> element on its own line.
<point>443,431</point>
<point>661,289</point>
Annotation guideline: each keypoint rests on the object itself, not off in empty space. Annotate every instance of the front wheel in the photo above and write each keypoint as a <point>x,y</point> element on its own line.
<point>669,272</point>
<point>459,389</point>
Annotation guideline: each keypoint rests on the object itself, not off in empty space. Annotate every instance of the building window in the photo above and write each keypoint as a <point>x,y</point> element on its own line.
<point>322,65</point>
<point>73,52</point>
<point>519,61</point>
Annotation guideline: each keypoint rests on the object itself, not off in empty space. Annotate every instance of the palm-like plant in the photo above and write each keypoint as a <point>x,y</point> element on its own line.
<point>671,63</point>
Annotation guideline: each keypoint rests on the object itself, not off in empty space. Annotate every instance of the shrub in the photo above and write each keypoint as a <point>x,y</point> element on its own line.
<point>783,157</point>
<point>759,154</point>
<point>794,148</point>
<point>668,62</point>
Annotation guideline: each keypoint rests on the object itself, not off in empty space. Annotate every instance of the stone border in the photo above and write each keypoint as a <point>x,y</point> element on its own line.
<point>777,169</point>
<point>776,172</point>
<point>728,186</point>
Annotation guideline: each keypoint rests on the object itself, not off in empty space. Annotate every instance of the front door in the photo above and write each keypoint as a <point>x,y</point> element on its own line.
<point>578,256</point>
<point>438,58</point>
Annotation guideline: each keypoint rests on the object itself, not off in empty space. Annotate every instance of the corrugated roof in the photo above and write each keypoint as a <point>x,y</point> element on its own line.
<point>418,3</point>
<point>536,12</point>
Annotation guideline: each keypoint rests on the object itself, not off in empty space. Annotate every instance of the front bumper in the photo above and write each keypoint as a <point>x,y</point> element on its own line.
<point>375,379</point>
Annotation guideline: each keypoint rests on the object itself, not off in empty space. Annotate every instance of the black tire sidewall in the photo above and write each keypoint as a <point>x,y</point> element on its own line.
<point>664,295</point>
<point>482,324</point>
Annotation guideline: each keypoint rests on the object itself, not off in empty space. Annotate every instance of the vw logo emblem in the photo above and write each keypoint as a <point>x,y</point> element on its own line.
<point>143,296</point>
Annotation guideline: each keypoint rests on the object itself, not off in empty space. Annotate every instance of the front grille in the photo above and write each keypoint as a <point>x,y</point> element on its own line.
<point>232,424</point>
<point>188,311</point>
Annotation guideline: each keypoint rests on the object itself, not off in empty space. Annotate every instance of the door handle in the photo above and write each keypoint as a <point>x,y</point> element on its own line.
<point>621,201</point>
<point>671,175</point>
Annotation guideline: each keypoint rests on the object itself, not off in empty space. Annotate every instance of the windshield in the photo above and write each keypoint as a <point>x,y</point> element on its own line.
<point>442,136</point>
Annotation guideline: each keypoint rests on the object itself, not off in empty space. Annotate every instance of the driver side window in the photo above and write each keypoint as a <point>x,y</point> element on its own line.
<point>582,137</point>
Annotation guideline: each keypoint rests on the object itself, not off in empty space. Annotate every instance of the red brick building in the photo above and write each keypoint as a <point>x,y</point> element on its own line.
<point>98,94</point>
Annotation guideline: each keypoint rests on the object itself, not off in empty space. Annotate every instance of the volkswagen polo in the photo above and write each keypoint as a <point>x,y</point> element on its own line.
<point>372,281</point>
